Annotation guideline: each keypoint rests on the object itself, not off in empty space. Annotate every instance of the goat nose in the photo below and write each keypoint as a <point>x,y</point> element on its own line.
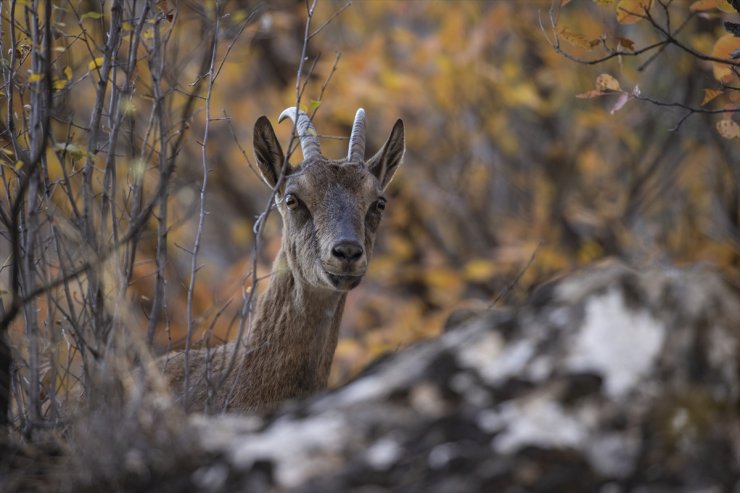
<point>347,250</point>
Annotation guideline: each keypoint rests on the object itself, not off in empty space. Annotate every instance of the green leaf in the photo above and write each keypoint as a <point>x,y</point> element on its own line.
<point>91,15</point>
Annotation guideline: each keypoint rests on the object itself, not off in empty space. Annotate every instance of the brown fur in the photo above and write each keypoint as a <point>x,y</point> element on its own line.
<point>294,331</point>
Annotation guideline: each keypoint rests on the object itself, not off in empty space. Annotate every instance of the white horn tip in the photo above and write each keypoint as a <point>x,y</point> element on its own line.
<point>287,113</point>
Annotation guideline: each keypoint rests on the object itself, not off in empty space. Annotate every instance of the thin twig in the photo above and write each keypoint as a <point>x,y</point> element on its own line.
<point>696,54</point>
<point>325,85</point>
<point>690,110</point>
<point>212,74</point>
<point>331,18</point>
<point>248,297</point>
<point>555,43</point>
<point>505,292</point>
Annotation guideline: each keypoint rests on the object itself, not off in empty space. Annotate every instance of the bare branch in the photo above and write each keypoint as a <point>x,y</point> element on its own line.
<point>555,43</point>
<point>212,74</point>
<point>505,292</point>
<point>331,18</point>
<point>249,295</point>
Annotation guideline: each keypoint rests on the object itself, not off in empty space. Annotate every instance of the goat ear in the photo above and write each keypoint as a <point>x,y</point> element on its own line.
<point>385,163</point>
<point>268,152</point>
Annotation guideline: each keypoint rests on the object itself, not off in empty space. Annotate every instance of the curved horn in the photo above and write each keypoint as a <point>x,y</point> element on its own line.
<point>356,150</point>
<point>306,132</point>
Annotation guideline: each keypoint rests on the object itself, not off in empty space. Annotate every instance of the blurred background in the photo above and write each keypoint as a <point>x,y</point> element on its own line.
<point>508,178</point>
<point>503,162</point>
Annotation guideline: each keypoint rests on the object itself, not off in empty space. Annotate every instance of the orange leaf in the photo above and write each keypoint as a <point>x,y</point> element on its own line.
<point>590,94</point>
<point>703,5</point>
<point>723,5</point>
<point>710,94</point>
<point>577,39</point>
<point>625,43</point>
<point>631,11</point>
<point>724,46</point>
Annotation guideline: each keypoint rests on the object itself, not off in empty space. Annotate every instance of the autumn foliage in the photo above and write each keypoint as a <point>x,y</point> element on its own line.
<point>540,136</point>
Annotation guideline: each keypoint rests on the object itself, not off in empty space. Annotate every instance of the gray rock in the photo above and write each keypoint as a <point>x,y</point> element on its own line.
<point>607,380</point>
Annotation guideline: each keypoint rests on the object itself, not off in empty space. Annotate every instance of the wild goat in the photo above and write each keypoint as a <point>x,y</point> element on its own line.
<point>330,211</point>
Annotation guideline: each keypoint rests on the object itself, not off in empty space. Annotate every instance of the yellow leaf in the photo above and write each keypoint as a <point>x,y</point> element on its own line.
<point>724,46</point>
<point>728,129</point>
<point>725,6</point>
<point>68,72</point>
<point>710,94</point>
<point>589,252</point>
<point>703,5</point>
<point>18,164</point>
<point>577,39</point>
<point>479,270</point>
<point>239,16</point>
<point>631,11</point>
<point>606,82</point>
<point>98,62</point>
<point>35,77</point>
<point>59,84</point>
<point>442,278</point>
<point>524,95</point>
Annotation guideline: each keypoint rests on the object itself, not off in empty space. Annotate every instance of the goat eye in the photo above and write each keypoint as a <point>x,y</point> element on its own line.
<point>380,205</point>
<point>291,201</point>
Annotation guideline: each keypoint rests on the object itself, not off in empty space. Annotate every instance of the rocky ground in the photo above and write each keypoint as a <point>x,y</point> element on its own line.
<point>609,379</point>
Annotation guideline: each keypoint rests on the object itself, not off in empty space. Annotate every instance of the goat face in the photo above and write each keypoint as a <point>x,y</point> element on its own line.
<point>330,208</point>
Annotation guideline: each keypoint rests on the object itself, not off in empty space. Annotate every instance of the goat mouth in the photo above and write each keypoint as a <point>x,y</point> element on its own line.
<point>343,282</point>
